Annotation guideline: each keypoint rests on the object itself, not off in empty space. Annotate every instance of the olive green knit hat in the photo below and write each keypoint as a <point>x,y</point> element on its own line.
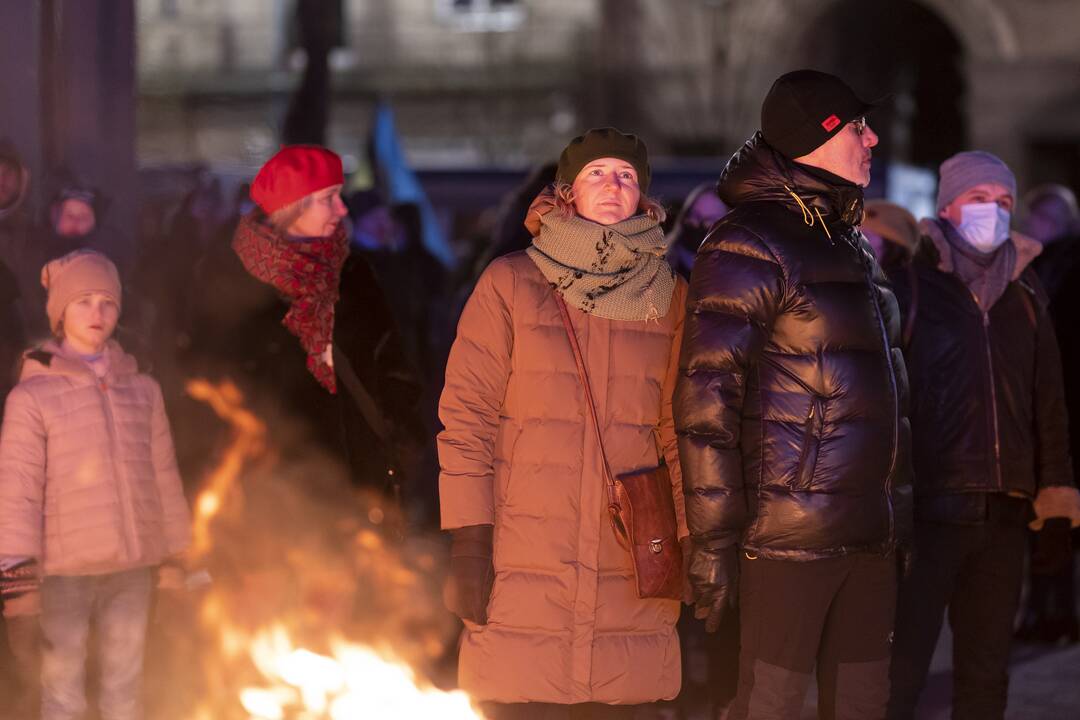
<point>601,143</point>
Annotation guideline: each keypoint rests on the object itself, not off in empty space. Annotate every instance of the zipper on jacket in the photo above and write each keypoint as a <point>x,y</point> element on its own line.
<point>804,471</point>
<point>122,487</point>
<point>895,394</point>
<point>993,392</point>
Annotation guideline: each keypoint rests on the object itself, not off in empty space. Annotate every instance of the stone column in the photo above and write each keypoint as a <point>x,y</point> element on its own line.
<point>67,94</point>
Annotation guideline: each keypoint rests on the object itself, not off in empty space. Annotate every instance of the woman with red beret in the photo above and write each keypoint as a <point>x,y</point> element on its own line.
<point>301,326</point>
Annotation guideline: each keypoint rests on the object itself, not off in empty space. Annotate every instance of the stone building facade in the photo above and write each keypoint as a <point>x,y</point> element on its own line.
<point>506,82</point>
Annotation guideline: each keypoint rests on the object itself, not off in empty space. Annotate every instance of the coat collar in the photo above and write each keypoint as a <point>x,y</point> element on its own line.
<point>758,172</point>
<point>49,359</point>
<point>1027,249</point>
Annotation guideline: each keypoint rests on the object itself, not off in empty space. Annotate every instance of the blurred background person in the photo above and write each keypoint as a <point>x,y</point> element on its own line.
<point>700,210</point>
<point>17,250</point>
<point>989,436</point>
<point>892,231</point>
<point>1049,214</point>
<point>893,234</point>
<point>72,218</point>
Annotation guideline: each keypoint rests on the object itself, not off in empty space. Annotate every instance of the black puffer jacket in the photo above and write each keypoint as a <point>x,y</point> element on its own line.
<point>987,402</point>
<point>791,405</point>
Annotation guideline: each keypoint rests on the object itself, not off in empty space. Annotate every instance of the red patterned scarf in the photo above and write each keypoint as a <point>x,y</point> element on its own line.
<point>308,274</point>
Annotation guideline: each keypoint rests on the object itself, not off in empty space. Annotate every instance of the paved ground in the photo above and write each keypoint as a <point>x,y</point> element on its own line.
<point>1044,683</point>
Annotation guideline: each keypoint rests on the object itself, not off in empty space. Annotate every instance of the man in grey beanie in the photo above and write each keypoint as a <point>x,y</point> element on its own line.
<point>989,436</point>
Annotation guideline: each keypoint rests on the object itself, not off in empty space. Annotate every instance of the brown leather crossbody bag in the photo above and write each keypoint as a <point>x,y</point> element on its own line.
<point>641,506</point>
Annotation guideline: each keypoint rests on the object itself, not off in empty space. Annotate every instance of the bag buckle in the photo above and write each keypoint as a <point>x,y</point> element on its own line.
<point>656,545</point>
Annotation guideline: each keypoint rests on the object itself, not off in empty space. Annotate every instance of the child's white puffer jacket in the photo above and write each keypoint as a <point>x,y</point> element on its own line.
<point>88,476</point>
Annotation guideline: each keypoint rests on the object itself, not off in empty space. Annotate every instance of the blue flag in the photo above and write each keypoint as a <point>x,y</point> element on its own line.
<point>402,185</point>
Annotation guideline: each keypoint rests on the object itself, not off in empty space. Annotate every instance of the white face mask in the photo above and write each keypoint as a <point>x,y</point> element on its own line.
<point>985,226</point>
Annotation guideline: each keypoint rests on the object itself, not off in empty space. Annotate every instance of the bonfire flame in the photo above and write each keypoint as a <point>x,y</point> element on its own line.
<point>357,682</point>
<point>284,681</point>
<point>248,434</point>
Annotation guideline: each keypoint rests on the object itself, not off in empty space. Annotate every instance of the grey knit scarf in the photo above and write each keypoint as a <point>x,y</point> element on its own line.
<point>615,271</point>
<point>987,275</point>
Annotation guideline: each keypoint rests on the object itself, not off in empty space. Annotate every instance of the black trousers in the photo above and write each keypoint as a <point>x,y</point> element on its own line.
<point>552,711</point>
<point>834,614</point>
<point>715,687</point>
<point>975,571</point>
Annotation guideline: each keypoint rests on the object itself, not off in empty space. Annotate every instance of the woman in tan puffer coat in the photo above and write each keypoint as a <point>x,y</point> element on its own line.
<point>89,492</point>
<point>548,596</point>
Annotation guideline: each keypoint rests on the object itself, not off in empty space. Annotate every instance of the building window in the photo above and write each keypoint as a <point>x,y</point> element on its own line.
<point>481,15</point>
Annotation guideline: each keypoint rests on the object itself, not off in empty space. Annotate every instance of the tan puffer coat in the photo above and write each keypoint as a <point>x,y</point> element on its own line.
<point>565,624</point>
<point>88,477</point>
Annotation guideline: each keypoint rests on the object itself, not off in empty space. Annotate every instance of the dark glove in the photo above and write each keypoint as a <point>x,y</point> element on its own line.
<point>1053,547</point>
<point>472,573</point>
<point>20,589</point>
<point>714,576</point>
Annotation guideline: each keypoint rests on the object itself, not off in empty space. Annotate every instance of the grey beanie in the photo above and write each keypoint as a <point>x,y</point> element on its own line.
<point>967,169</point>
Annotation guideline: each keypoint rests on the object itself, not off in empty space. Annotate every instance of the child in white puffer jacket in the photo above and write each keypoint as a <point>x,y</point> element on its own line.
<point>89,490</point>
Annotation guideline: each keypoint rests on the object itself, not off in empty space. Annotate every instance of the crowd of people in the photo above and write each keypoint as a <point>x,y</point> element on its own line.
<point>860,420</point>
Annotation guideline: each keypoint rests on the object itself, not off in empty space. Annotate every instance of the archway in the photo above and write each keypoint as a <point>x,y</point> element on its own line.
<point>908,51</point>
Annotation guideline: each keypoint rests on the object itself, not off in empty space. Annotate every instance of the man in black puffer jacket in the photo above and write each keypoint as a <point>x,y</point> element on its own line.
<point>791,413</point>
<point>990,436</point>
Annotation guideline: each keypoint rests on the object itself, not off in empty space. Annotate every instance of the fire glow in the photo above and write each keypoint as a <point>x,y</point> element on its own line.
<point>355,683</point>
<point>257,667</point>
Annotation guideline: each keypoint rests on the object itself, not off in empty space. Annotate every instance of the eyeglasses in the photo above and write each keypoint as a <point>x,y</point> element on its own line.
<point>860,124</point>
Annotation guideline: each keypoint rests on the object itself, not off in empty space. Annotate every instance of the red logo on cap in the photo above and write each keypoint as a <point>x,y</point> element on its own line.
<point>830,122</point>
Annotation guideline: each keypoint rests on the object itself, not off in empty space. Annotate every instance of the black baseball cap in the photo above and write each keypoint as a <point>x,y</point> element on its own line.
<point>805,108</point>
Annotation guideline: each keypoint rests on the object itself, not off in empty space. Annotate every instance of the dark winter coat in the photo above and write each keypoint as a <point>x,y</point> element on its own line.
<point>19,254</point>
<point>11,331</point>
<point>987,403</point>
<point>792,403</point>
<point>237,333</point>
<point>1064,309</point>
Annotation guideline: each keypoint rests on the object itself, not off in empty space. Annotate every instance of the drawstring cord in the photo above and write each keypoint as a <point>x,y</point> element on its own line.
<point>807,216</point>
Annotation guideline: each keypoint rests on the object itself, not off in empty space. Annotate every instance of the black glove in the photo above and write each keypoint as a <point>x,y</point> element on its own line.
<point>1053,547</point>
<point>714,577</point>
<point>472,573</point>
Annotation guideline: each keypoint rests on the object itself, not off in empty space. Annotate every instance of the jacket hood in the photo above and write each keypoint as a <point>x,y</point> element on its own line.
<point>49,359</point>
<point>758,173</point>
<point>1027,249</point>
<point>8,153</point>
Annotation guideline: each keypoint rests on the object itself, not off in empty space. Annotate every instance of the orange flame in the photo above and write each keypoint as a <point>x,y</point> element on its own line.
<point>255,666</point>
<point>249,433</point>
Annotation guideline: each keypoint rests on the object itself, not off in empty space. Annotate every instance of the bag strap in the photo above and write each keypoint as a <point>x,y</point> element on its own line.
<point>584,375</point>
<point>365,403</point>
<point>376,421</point>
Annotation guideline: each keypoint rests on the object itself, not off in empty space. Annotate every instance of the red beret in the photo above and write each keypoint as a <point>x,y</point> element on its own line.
<point>295,172</point>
